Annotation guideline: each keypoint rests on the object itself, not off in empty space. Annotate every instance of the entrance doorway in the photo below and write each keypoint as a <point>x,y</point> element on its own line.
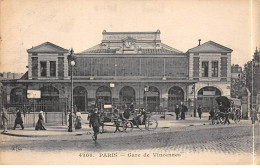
<point>126,96</point>
<point>175,96</point>
<point>207,96</point>
<point>103,96</point>
<point>80,98</point>
<point>49,98</point>
<point>153,99</point>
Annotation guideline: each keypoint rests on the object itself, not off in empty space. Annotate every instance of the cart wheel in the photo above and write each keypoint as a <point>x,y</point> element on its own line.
<point>151,123</point>
<point>139,125</point>
<point>222,120</point>
<point>128,126</point>
<point>119,125</point>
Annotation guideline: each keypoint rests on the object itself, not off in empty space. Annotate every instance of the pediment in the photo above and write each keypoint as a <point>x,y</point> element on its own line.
<point>47,47</point>
<point>210,47</point>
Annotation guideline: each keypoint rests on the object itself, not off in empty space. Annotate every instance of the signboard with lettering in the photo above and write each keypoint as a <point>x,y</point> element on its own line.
<point>33,94</point>
<point>107,106</point>
<point>208,93</point>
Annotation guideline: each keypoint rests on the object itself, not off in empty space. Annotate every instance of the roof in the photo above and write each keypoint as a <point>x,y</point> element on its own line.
<point>100,51</point>
<point>47,47</point>
<point>156,32</point>
<point>165,49</point>
<point>141,51</point>
<point>25,76</point>
<point>210,47</point>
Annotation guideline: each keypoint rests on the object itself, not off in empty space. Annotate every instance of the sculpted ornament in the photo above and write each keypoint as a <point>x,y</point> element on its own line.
<point>129,42</point>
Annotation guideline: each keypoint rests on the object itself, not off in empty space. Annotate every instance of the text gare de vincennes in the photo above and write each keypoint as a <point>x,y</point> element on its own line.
<point>132,155</point>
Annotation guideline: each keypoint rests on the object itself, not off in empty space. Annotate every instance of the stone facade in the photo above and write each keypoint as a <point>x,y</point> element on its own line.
<point>130,61</point>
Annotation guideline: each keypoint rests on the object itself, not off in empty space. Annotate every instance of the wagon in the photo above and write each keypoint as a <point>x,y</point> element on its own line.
<point>232,107</point>
<point>126,120</point>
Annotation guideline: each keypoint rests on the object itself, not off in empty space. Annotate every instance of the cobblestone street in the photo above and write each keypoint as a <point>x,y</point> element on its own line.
<point>209,140</point>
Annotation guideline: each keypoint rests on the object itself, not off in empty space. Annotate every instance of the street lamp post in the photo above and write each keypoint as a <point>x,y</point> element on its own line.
<point>146,88</point>
<point>72,64</point>
<point>194,103</point>
<point>112,85</point>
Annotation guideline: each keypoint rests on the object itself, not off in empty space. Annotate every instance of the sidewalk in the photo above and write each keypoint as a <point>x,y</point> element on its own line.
<point>168,122</point>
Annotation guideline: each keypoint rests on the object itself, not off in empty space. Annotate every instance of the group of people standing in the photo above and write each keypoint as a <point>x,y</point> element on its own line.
<point>180,111</point>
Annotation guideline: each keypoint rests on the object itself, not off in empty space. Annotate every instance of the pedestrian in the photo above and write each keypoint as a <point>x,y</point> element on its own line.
<point>75,109</point>
<point>24,110</point>
<point>183,109</point>
<point>18,119</point>
<point>4,119</point>
<point>177,112</point>
<point>40,122</point>
<point>253,115</point>
<point>199,111</point>
<point>78,120</point>
<point>95,123</point>
<point>70,121</point>
<point>227,117</point>
<point>132,107</point>
<point>116,119</point>
<point>211,113</point>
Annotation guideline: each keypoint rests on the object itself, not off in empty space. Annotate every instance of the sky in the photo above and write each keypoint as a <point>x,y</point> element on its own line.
<point>79,24</point>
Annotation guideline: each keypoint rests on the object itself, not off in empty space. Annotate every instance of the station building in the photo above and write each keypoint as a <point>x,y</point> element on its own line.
<point>118,70</point>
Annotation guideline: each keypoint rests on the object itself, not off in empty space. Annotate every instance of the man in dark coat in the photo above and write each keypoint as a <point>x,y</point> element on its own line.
<point>184,109</point>
<point>132,107</point>
<point>177,112</point>
<point>199,111</point>
<point>18,119</point>
<point>95,123</point>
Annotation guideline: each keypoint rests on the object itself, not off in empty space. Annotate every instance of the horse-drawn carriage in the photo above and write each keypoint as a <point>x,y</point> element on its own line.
<point>230,108</point>
<point>126,120</point>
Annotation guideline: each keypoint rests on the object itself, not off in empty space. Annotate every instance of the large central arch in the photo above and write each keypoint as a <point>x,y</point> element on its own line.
<point>153,99</point>
<point>126,96</point>
<point>175,96</point>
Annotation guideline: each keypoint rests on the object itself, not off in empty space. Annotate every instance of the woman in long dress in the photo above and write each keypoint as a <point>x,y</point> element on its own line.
<point>78,120</point>
<point>40,122</point>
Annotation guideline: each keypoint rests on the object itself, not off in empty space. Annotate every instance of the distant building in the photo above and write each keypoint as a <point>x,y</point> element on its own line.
<point>117,70</point>
<point>10,75</point>
<point>236,72</point>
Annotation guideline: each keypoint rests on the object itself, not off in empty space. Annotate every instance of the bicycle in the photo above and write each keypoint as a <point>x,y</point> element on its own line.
<point>145,122</point>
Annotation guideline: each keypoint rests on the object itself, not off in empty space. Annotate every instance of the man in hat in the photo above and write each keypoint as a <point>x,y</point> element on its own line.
<point>95,123</point>
<point>18,119</point>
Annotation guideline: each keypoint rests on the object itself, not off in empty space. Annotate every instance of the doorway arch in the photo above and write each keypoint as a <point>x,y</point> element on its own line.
<point>103,96</point>
<point>126,96</point>
<point>49,98</point>
<point>207,96</point>
<point>153,99</point>
<point>80,95</point>
<point>18,96</point>
<point>175,96</point>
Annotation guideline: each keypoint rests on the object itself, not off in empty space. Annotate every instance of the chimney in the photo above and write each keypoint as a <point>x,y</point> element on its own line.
<point>199,42</point>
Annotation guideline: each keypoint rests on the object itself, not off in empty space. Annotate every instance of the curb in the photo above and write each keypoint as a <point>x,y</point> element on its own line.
<point>19,135</point>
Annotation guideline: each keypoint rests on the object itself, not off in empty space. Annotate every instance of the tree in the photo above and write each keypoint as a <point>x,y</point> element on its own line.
<point>236,86</point>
